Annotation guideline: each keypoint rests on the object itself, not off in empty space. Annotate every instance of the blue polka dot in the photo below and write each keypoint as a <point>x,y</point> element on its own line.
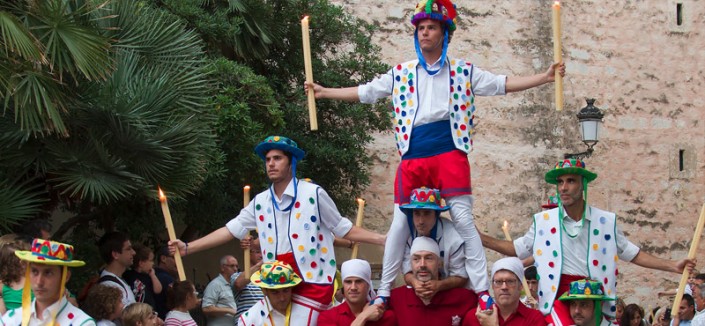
<point>307,226</point>
<point>548,243</point>
<point>313,239</point>
<point>398,78</point>
<point>550,276</point>
<point>541,232</point>
<point>608,237</point>
<point>603,220</point>
<point>313,219</point>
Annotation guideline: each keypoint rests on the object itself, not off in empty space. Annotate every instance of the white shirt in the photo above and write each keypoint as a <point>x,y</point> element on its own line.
<point>699,319</point>
<point>433,91</point>
<point>262,313</point>
<point>127,296</point>
<point>67,315</point>
<point>330,217</point>
<point>575,250</point>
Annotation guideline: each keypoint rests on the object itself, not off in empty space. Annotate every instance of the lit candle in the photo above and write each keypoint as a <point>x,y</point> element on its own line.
<point>557,57</point>
<point>505,228</point>
<point>691,255</point>
<point>172,234</point>
<point>309,73</point>
<point>245,202</point>
<point>358,223</point>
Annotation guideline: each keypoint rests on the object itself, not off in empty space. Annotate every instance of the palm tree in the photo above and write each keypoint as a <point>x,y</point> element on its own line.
<point>145,123</point>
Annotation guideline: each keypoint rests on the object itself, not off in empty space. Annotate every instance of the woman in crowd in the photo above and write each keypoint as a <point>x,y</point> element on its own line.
<point>139,314</point>
<point>633,316</point>
<point>104,304</point>
<point>183,297</point>
<point>12,271</point>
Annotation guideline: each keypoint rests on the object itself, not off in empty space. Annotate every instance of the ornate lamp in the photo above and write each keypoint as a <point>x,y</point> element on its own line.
<point>590,119</point>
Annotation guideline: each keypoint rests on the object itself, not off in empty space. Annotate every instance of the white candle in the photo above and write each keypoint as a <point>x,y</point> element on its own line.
<point>557,56</point>
<point>309,73</point>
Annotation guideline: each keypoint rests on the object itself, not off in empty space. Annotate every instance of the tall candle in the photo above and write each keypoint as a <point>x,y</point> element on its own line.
<point>309,73</point>
<point>557,56</point>
<point>246,258</point>
<point>505,228</point>
<point>691,255</point>
<point>524,284</point>
<point>172,234</point>
<point>358,223</point>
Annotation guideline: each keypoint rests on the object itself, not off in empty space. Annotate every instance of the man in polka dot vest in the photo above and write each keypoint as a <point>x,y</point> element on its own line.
<point>296,221</point>
<point>576,241</point>
<point>47,271</point>
<point>433,109</point>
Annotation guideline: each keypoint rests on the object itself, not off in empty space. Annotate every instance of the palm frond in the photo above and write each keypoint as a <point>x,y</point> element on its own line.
<point>19,201</point>
<point>17,39</point>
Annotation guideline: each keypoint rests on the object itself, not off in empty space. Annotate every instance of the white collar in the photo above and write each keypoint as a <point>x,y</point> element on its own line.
<point>54,307</point>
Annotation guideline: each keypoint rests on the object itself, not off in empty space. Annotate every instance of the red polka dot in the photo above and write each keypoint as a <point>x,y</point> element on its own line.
<point>297,205</point>
<point>313,264</point>
<point>452,73</point>
<point>398,67</point>
<point>295,235</point>
<point>330,279</point>
<point>595,262</point>
<point>553,230</point>
<point>406,136</point>
<point>463,127</point>
<point>551,264</point>
<point>605,281</point>
<point>70,315</point>
<point>261,218</point>
<point>411,89</point>
<point>467,92</point>
<point>616,272</point>
<point>463,107</point>
<point>320,237</point>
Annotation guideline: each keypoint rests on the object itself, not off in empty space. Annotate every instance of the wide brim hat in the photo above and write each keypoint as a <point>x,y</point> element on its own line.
<point>585,290</point>
<point>569,166</point>
<point>49,252</point>
<point>275,275</point>
<point>281,143</point>
<point>425,198</point>
<point>444,12</point>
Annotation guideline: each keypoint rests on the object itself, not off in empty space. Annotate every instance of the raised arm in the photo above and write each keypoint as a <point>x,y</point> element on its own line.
<point>346,94</point>
<point>503,247</point>
<point>520,83</point>
<point>214,239</point>
<point>676,266</point>
<point>359,234</point>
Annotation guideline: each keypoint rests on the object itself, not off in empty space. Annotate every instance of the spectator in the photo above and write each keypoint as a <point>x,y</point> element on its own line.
<point>699,298</point>
<point>142,278</point>
<point>218,299</point>
<point>632,316</point>
<point>686,312</point>
<point>12,271</point>
<point>117,253</point>
<point>47,267</point>
<point>246,293</point>
<point>619,310</point>
<point>166,273</point>
<point>139,314</point>
<point>584,299</point>
<point>532,281</point>
<point>104,304</point>
<point>183,297</point>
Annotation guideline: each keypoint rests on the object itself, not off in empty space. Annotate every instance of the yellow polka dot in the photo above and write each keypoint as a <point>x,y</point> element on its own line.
<point>459,132</point>
<point>616,258</point>
<point>298,215</point>
<point>432,199</point>
<point>408,121</point>
<point>545,216</point>
<point>452,61</point>
<point>411,102</point>
<point>609,292</point>
<point>270,240</point>
<point>466,119</point>
<point>301,248</point>
<point>411,65</point>
<point>467,85</point>
<point>553,288</point>
<point>595,246</point>
<point>404,80</point>
<point>539,252</point>
<point>309,275</point>
<point>396,91</point>
<point>324,250</point>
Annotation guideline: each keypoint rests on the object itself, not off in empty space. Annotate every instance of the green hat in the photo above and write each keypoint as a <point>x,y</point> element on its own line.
<point>280,143</point>
<point>275,275</point>
<point>585,290</point>
<point>49,252</point>
<point>425,198</point>
<point>569,166</point>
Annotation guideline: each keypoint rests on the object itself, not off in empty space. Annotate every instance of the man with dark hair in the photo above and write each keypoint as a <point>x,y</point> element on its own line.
<point>583,300</point>
<point>166,274</point>
<point>532,281</point>
<point>433,98</point>
<point>686,312</point>
<point>117,253</point>
<point>699,299</point>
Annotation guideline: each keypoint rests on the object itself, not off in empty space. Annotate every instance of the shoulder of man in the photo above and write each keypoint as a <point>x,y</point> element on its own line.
<point>109,280</point>
<point>78,317</point>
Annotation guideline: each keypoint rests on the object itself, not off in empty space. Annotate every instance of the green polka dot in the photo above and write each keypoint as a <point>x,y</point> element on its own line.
<point>459,70</point>
<point>311,200</point>
<point>402,88</point>
<point>320,273</point>
<point>455,96</point>
<point>595,231</point>
<point>258,207</point>
<point>411,76</point>
<point>312,252</point>
<point>403,104</point>
<point>270,255</point>
<point>332,262</point>
<point>604,268</point>
<point>555,253</point>
<point>545,305</point>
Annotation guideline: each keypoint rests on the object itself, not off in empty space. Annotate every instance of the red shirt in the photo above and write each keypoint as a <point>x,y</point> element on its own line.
<point>341,315</point>
<point>523,316</point>
<point>446,307</point>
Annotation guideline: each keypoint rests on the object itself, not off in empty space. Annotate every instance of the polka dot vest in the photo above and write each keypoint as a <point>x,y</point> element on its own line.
<point>311,243</point>
<point>601,259</point>
<point>461,104</point>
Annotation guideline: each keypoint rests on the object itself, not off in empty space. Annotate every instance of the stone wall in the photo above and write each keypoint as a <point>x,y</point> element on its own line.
<point>645,72</point>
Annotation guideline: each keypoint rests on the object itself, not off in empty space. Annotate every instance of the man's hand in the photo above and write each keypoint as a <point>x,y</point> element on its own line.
<point>315,87</point>
<point>551,72</point>
<point>177,244</point>
<point>687,263</point>
<point>370,313</point>
<point>488,319</point>
<point>425,290</point>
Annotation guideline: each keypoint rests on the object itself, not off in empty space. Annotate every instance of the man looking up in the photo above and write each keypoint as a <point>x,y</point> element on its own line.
<point>296,222</point>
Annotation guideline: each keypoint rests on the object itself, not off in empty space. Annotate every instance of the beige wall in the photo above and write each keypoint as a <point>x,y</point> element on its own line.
<point>646,74</point>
